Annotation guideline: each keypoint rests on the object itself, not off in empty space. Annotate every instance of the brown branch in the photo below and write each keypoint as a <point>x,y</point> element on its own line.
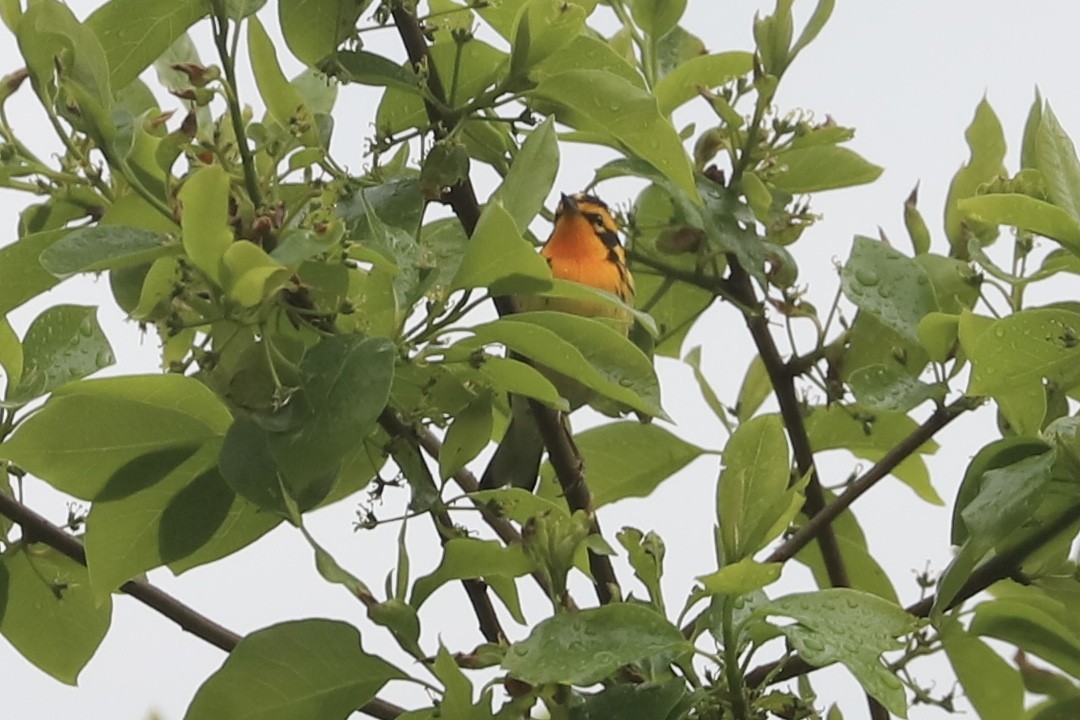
<point>392,422</point>
<point>783,383</point>
<point>808,532</point>
<point>462,199</point>
<point>566,460</point>
<point>40,529</point>
<point>999,567</point>
<point>475,588</point>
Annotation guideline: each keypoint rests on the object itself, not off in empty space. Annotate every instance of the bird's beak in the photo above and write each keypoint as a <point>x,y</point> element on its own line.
<point>569,205</point>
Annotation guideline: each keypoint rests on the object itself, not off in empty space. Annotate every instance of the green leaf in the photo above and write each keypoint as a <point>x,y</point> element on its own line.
<point>520,505</point>
<point>1007,496</point>
<point>815,168</point>
<point>470,558</point>
<point>127,532</point>
<point>344,384</point>
<point>693,359</point>
<point>628,459</point>
<point>518,378</point>
<point>21,275</point>
<point>657,17</point>
<point>101,247</point>
<point>134,33</point>
<point>680,85</point>
<point>1013,355</point>
<point>586,350</point>
<point>314,28</point>
<point>814,25</point>
<point>990,684</point>
<point>850,627</point>
<point>986,140</point>
<point>469,433</point>
<point>205,222</point>
<point>64,343</point>
<point>365,68</point>
<point>1026,213</point>
<point>90,429</point>
<point>997,454</point>
<point>879,387</point>
<point>674,307</point>
<point>871,435</point>
<point>752,485</point>
<point>283,100</point>
<point>498,258</point>
<point>524,189</point>
<point>600,303</point>
<point>315,668</point>
<point>543,28</point>
<point>890,286</point>
<point>638,701</point>
<point>586,647</point>
<point>741,577</point>
<point>11,354</point>
<point>1055,158</point>
<point>1031,629</point>
<point>249,274</point>
<point>588,52</point>
<point>646,555</point>
<point>620,110</point>
<point>47,612</point>
<point>195,509</point>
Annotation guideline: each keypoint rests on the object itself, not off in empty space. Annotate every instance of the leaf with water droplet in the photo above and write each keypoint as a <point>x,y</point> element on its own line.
<point>586,647</point>
<point>888,285</point>
<point>63,343</point>
<point>850,627</point>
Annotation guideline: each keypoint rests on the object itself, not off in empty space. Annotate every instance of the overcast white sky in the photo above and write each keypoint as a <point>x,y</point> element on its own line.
<point>906,75</point>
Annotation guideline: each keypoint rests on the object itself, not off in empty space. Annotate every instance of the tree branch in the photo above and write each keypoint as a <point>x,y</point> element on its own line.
<point>41,530</point>
<point>462,199</point>
<point>999,567</point>
<point>808,532</point>
<point>784,387</point>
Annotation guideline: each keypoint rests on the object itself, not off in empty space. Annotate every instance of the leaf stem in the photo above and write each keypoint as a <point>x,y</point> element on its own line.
<point>220,21</point>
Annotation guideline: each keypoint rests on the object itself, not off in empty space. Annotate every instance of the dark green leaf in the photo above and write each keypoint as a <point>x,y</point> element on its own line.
<point>316,668</point>
<point>314,28</point>
<point>851,627</point>
<point>48,613</point>
<point>360,66</point>
<point>586,647</point>
<point>879,387</point>
<point>888,285</point>
<point>102,247</point>
<point>469,433</point>
<point>645,701</point>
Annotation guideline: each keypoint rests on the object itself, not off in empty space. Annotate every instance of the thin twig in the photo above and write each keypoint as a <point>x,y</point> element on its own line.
<point>901,451</point>
<point>40,529</point>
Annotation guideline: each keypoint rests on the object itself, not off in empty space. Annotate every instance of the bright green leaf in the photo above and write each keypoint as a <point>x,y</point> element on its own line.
<point>498,258</point>
<point>822,167</point>
<point>134,33</point>
<point>755,477</point>
<point>888,285</point>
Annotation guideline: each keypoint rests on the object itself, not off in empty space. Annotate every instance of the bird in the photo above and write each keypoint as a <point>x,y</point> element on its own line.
<point>584,248</point>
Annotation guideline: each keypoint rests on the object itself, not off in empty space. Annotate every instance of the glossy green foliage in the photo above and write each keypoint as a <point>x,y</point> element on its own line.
<point>320,287</point>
